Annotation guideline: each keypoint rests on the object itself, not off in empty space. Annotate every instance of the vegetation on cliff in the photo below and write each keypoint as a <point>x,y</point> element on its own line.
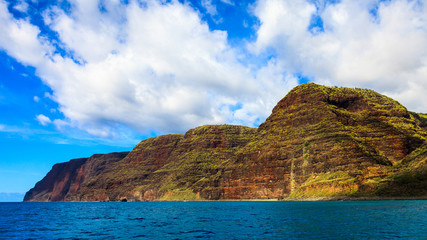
<point>318,142</point>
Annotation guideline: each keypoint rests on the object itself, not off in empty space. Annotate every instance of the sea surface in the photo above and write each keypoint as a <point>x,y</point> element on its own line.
<point>215,220</point>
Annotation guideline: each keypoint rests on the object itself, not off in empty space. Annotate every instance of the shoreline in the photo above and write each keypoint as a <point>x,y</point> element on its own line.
<point>315,199</point>
<point>354,199</point>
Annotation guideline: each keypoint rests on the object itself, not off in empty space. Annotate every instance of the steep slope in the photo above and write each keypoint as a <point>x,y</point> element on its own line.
<point>318,142</point>
<point>321,142</point>
<point>64,180</point>
<point>122,180</point>
<point>199,162</point>
<point>409,178</point>
<point>171,167</point>
<point>57,182</point>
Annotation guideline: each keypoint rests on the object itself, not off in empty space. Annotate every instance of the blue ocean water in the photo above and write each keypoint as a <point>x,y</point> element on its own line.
<point>215,220</point>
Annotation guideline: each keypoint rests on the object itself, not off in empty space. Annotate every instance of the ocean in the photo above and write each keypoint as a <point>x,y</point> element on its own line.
<point>215,220</point>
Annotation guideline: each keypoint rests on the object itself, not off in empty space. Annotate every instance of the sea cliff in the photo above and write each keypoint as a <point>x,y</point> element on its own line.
<point>318,143</point>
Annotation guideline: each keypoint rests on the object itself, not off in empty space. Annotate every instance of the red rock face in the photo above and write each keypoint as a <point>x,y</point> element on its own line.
<point>316,131</point>
<point>117,181</point>
<point>57,182</point>
<point>64,179</point>
<point>318,142</point>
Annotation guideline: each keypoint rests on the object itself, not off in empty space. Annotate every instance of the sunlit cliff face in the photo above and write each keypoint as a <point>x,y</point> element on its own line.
<point>319,142</point>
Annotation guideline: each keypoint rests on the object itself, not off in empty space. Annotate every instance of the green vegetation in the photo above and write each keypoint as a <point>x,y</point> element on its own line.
<point>318,142</point>
<point>180,195</point>
<point>328,184</point>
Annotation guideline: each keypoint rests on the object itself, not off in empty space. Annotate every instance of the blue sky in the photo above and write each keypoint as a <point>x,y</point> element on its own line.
<point>85,77</point>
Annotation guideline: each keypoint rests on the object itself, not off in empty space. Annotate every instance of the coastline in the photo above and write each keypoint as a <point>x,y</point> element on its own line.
<point>314,199</point>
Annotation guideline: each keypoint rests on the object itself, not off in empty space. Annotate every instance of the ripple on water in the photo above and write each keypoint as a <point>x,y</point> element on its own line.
<point>215,220</point>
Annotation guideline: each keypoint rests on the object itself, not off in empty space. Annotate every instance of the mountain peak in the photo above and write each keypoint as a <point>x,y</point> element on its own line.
<point>350,99</point>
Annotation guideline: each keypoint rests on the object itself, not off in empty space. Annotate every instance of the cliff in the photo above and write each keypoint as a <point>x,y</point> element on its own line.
<point>65,179</point>
<point>319,141</point>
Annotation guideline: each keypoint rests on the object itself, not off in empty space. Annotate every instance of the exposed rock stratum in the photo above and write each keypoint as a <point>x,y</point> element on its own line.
<point>319,142</point>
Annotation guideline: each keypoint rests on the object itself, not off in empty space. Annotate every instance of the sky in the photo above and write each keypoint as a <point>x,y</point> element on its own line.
<point>79,77</point>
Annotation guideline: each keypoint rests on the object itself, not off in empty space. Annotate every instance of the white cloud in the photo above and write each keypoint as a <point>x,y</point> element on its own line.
<point>20,39</point>
<point>159,68</point>
<point>10,129</point>
<point>36,99</point>
<point>155,67</point>
<point>210,8</point>
<point>43,120</point>
<point>386,52</point>
<point>229,2</point>
<point>60,124</point>
<point>23,131</point>
<point>22,6</point>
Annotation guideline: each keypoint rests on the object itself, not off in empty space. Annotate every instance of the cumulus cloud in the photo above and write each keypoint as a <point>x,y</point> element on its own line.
<point>43,120</point>
<point>148,66</point>
<point>21,6</point>
<point>152,66</point>
<point>374,44</point>
<point>20,39</point>
<point>210,8</point>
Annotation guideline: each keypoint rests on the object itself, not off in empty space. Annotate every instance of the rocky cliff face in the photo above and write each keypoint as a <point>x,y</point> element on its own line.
<point>318,142</point>
<point>323,142</point>
<point>65,179</point>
